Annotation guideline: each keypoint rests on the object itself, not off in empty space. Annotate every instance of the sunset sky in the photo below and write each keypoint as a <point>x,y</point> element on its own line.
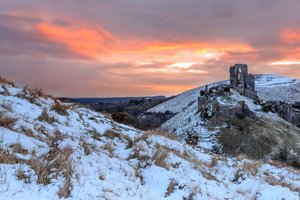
<point>98,48</point>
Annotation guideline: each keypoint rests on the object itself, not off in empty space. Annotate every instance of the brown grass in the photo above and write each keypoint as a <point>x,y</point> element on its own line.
<point>60,108</point>
<point>44,166</point>
<point>171,187</point>
<point>42,170</point>
<point>137,153</point>
<point>110,148</point>
<point>31,96</point>
<point>17,148</point>
<point>65,190</point>
<point>251,167</point>
<point>7,122</point>
<point>159,132</point>
<point>160,157</point>
<point>21,175</point>
<point>5,81</point>
<point>5,92</point>
<point>46,117</point>
<point>53,139</point>
<point>111,134</point>
<point>272,181</point>
<point>138,173</point>
<point>39,92</point>
<point>7,106</point>
<point>209,176</point>
<point>87,148</point>
<point>9,158</point>
<point>95,134</point>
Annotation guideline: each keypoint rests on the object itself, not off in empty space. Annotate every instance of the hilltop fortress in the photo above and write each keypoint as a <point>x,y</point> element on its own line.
<point>216,106</point>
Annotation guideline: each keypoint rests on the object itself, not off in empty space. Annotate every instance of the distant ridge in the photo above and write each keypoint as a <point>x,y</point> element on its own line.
<point>95,100</point>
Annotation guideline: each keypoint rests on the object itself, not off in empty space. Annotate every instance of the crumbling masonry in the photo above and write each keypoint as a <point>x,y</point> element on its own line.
<point>211,109</point>
<point>241,81</point>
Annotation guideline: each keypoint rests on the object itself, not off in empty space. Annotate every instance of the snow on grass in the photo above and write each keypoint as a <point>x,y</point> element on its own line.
<point>82,154</point>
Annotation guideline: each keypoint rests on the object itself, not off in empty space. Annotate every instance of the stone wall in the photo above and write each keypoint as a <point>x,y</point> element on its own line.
<point>241,81</point>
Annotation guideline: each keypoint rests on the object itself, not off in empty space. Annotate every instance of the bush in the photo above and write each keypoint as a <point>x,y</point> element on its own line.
<point>265,108</point>
<point>119,117</point>
<point>202,93</point>
<point>192,139</point>
<point>226,89</point>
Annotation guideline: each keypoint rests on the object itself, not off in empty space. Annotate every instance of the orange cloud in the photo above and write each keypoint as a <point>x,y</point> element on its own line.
<point>94,43</point>
<point>86,42</point>
<point>290,35</point>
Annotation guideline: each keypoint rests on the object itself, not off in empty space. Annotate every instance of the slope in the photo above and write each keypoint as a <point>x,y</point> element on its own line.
<point>51,150</point>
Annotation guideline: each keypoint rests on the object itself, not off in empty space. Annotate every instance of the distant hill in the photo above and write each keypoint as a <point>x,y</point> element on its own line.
<point>110,99</point>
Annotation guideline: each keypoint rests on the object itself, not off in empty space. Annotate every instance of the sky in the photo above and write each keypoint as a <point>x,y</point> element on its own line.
<point>113,48</point>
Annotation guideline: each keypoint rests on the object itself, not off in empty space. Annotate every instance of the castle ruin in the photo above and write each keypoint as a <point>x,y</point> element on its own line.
<point>241,81</point>
<point>215,104</point>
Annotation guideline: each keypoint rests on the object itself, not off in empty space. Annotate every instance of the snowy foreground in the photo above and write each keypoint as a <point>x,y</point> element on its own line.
<point>50,150</point>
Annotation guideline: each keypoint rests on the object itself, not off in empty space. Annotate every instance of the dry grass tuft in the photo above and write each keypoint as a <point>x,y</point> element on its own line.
<point>138,173</point>
<point>159,132</point>
<point>95,134</point>
<point>7,106</point>
<point>137,153</point>
<point>54,162</point>
<point>31,96</point>
<point>65,190</point>
<point>39,92</point>
<point>160,157</point>
<point>111,134</point>
<point>17,148</point>
<point>272,181</point>
<point>171,188</point>
<point>87,148</point>
<point>60,108</point>
<point>251,167</point>
<point>42,170</point>
<point>21,175</point>
<point>9,158</point>
<point>5,81</point>
<point>214,161</point>
<point>110,148</point>
<point>7,122</point>
<point>209,176</point>
<point>5,92</point>
<point>53,139</point>
<point>46,117</point>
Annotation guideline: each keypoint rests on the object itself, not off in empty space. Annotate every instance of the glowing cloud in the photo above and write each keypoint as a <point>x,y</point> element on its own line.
<point>88,43</point>
<point>286,63</point>
<point>290,35</point>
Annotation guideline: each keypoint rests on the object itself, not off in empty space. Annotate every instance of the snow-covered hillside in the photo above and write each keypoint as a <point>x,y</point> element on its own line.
<point>269,87</point>
<point>185,105</point>
<point>51,150</point>
<point>277,88</point>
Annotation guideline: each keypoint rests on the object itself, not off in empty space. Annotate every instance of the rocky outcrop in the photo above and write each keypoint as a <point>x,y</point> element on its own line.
<point>288,112</point>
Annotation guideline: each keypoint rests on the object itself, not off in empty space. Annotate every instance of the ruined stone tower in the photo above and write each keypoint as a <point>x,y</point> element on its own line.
<point>241,81</point>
